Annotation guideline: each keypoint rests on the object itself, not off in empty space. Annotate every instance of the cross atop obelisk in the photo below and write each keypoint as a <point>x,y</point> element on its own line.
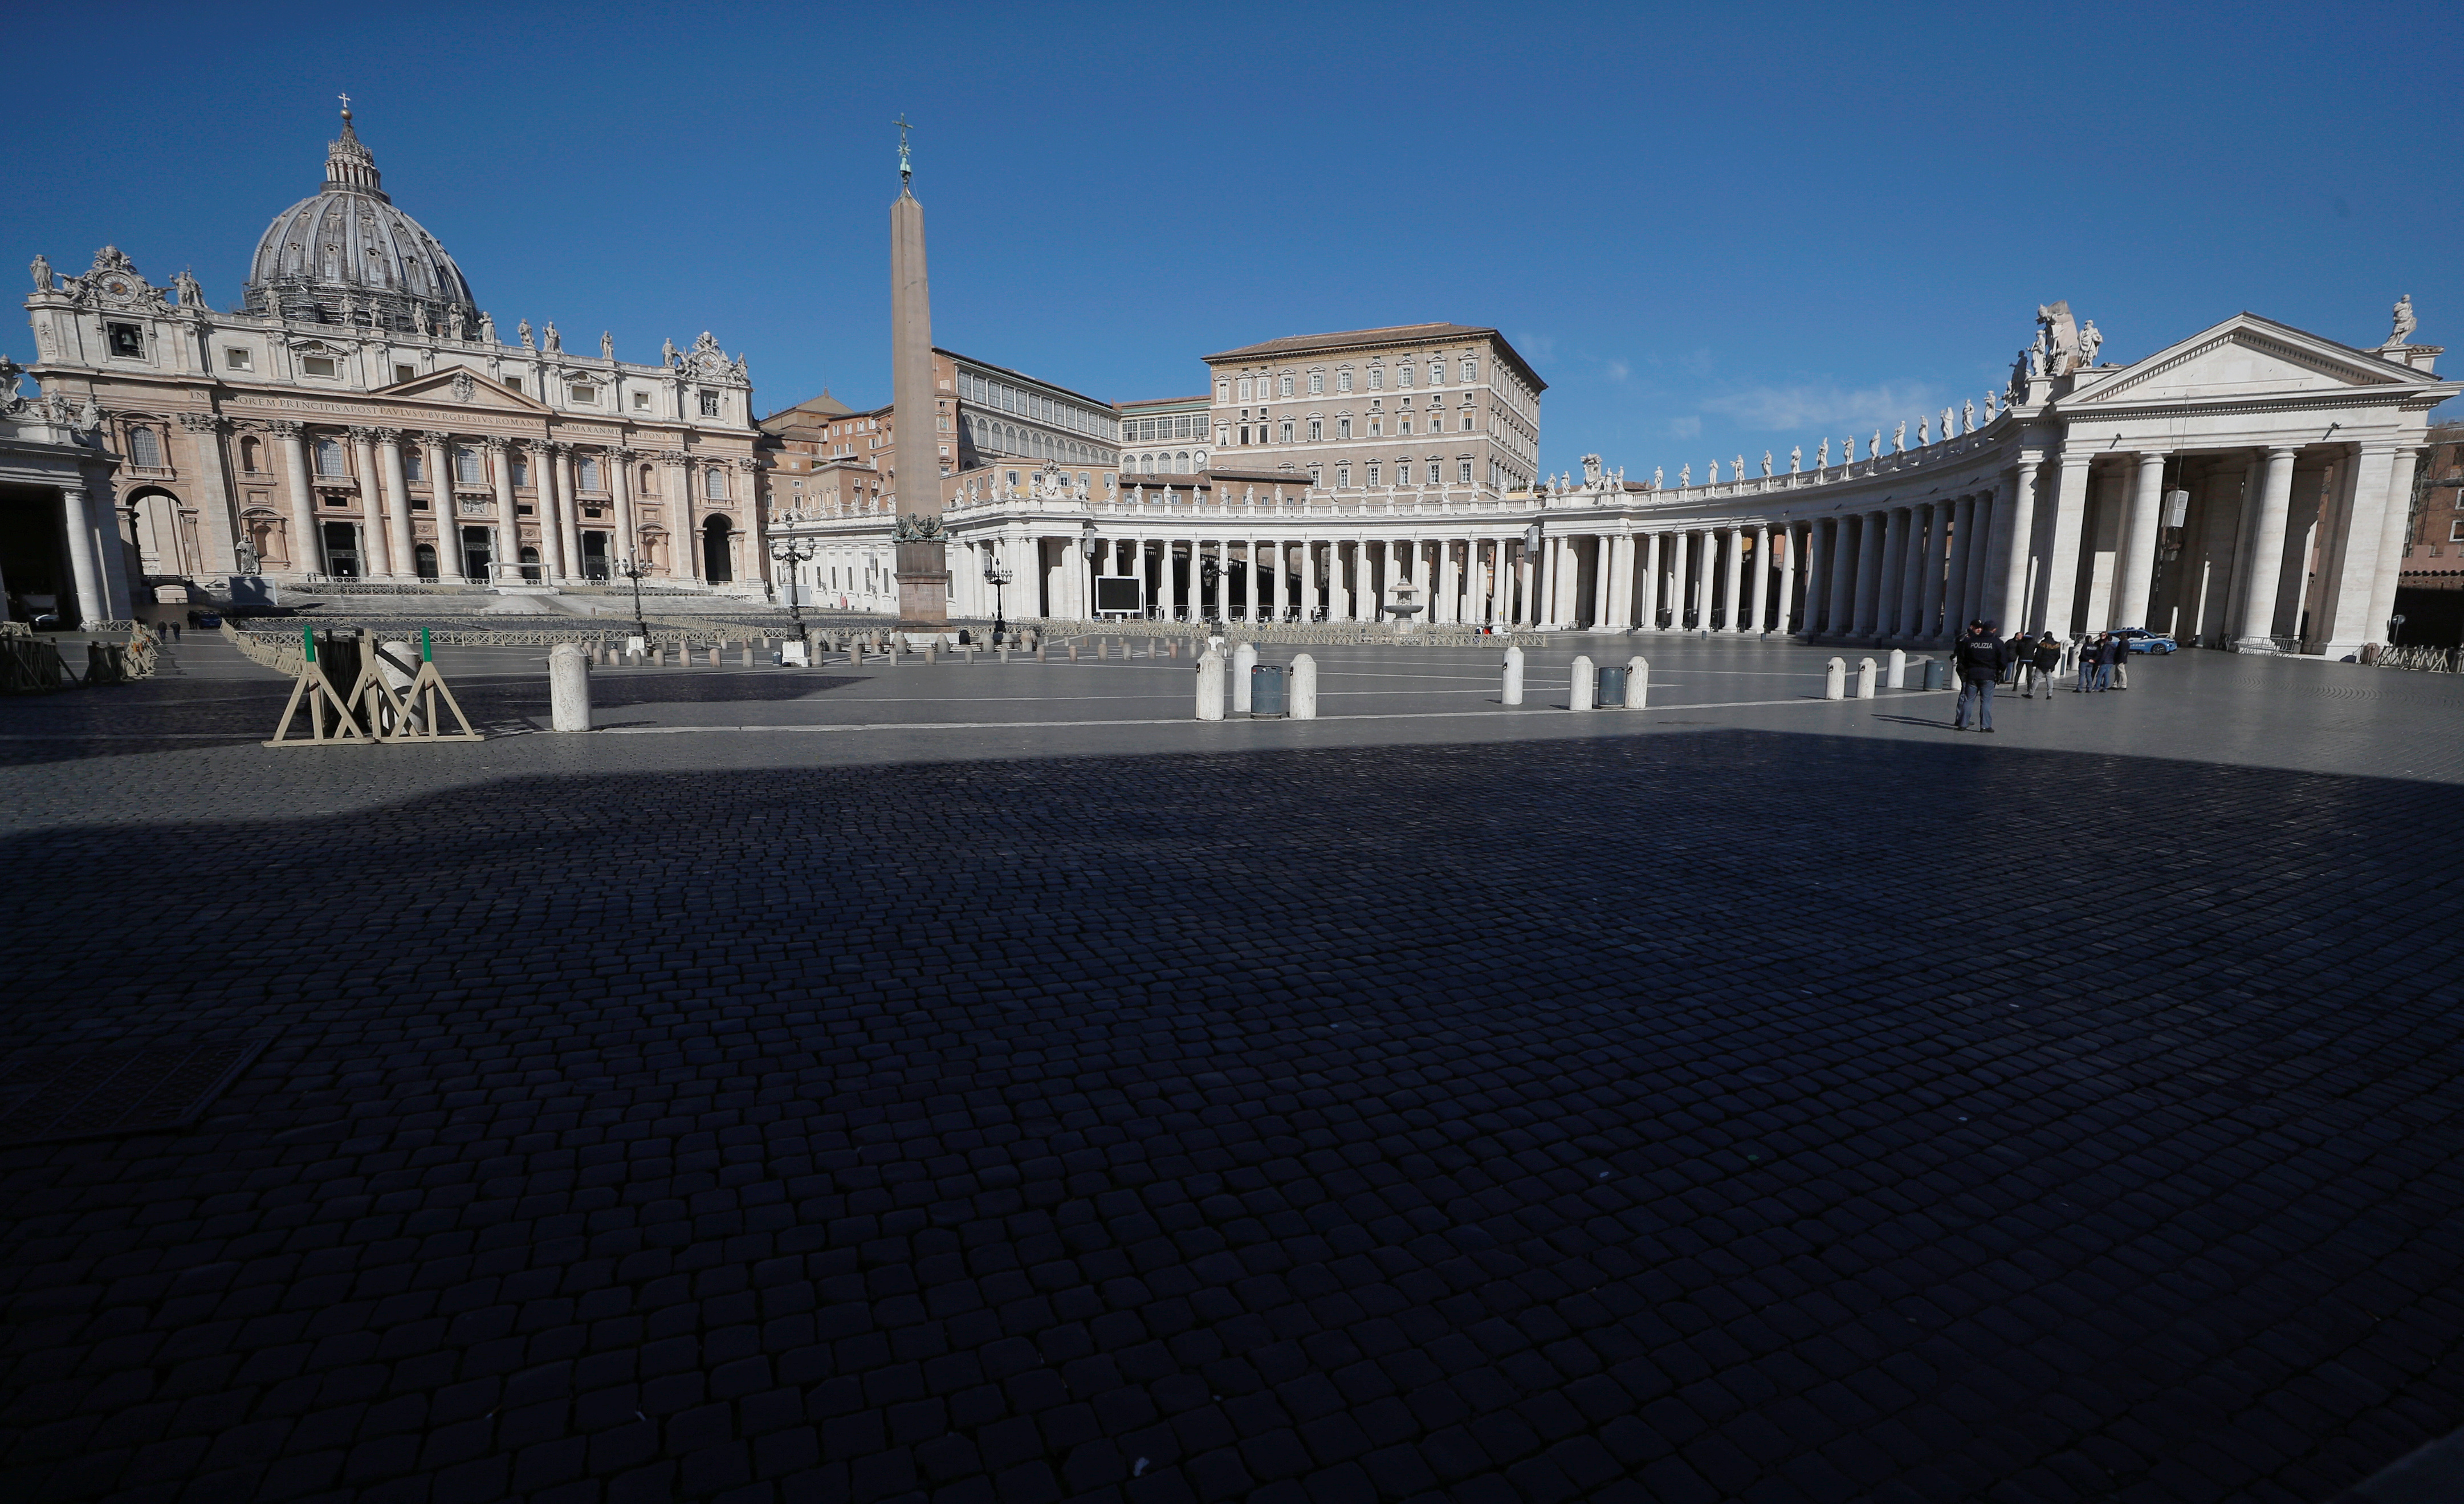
<point>917,440</point>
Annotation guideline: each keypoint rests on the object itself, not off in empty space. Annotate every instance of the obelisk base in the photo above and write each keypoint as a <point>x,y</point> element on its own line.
<point>923,578</point>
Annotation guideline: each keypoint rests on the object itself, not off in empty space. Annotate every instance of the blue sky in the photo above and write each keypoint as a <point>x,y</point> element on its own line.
<point>1711,229</point>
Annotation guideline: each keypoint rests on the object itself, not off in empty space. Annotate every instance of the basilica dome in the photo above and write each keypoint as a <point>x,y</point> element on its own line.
<point>348,255</point>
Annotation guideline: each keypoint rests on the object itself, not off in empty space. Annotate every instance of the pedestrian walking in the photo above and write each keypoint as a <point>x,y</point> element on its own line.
<point>2108,653</point>
<point>2016,653</point>
<point>2046,660</point>
<point>1979,657</point>
<point>2090,649</point>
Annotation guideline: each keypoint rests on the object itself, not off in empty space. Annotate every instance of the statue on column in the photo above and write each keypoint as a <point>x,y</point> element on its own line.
<point>42,270</point>
<point>2404,322</point>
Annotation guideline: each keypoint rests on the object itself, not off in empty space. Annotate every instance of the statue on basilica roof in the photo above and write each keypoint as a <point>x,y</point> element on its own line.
<point>2404,322</point>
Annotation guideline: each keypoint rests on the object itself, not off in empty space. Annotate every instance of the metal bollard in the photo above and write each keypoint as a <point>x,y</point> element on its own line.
<point>1637,682</point>
<point>1579,687</point>
<point>568,688</point>
<point>1303,688</point>
<point>1513,688</point>
<point>1865,678</point>
<point>1244,659</point>
<point>1898,677</point>
<point>1835,681</point>
<point>1210,686</point>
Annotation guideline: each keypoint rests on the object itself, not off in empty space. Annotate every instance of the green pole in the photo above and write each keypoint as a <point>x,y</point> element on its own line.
<point>308,641</point>
<point>426,653</point>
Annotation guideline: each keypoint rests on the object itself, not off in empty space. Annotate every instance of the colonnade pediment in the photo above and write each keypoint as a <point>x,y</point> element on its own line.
<point>2250,357</point>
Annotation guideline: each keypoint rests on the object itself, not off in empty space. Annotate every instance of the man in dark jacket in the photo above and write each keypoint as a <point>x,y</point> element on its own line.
<point>2090,649</point>
<point>2109,652</point>
<point>1979,660</point>
<point>2046,659</point>
<point>2014,653</point>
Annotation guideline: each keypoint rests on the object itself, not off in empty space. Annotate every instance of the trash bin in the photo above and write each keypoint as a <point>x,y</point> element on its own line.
<point>1268,691</point>
<point>1611,691</point>
<point>1934,678</point>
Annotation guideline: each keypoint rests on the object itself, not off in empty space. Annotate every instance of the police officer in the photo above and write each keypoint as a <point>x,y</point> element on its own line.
<point>1979,657</point>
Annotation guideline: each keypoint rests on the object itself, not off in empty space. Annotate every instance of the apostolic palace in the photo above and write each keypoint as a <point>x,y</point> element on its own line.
<point>359,422</point>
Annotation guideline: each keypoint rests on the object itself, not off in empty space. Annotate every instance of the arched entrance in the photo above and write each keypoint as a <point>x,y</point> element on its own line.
<point>717,562</point>
<point>425,558</point>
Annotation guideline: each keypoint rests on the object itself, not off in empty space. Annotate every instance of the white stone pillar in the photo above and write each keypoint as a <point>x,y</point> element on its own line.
<point>568,517</point>
<point>1841,575</point>
<point>1818,563</point>
<point>1873,547</point>
<point>1787,536</point>
<point>2135,568</point>
<point>2061,564</point>
<point>1992,516</point>
<point>2004,600</point>
<point>2375,498</point>
<point>1733,579</point>
<point>1911,576</point>
<point>2267,555</point>
<point>1526,582</point>
<point>1601,571</point>
<point>1954,585</point>
<point>1649,602</point>
<point>508,550</point>
<point>1761,596</point>
<point>1931,539</point>
<point>397,504</point>
<point>2394,525</point>
<point>544,507</point>
<point>374,561</point>
<point>85,558</point>
<point>627,541</point>
<point>307,553</point>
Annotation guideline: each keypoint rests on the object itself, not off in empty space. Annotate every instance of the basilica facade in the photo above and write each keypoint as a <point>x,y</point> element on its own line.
<point>360,417</point>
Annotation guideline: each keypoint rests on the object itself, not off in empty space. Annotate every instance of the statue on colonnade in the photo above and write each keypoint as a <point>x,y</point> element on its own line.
<point>2404,322</point>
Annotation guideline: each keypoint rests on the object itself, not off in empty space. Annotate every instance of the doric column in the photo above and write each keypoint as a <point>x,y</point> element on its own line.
<point>1840,571</point>
<point>1872,548</point>
<point>1683,602</point>
<point>2394,528</point>
<point>2267,555</point>
<point>2135,567</point>
<point>2061,564</point>
<point>1992,516</point>
<point>1955,605</point>
<point>397,503</point>
<point>373,560</point>
<point>1932,537</point>
<point>85,558</point>
<point>568,511</point>
<point>2004,600</point>
<point>1911,626</point>
<point>1735,579</point>
<point>1818,577</point>
<point>508,547</point>
<point>1787,543</point>
<point>1647,595</point>
<point>1761,596</point>
<point>305,556</point>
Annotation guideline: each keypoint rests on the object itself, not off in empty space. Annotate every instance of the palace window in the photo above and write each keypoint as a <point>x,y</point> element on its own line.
<point>317,365</point>
<point>1377,426</point>
<point>1222,392</point>
<point>1403,377</point>
<point>1317,429</point>
<point>1343,427</point>
<point>1284,431</point>
<point>1466,420</point>
<point>1377,378</point>
<point>1285,389</point>
<point>1317,383</point>
<point>584,394</point>
<point>1373,472</point>
<point>127,339</point>
<point>145,449</point>
<point>1470,370</point>
<point>1342,476</point>
<point>1245,388</point>
<point>329,457</point>
<point>1343,379</point>
<point>1437,373</point>
<point>1462,472</point>
<point>1435,476</point>
<point>1405,426</point>
<point>237,358</point>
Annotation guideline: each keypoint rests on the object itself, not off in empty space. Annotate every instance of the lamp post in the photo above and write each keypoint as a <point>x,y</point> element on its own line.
<point>996,574</point>
<point>792,552</point>
<point>633,568</point>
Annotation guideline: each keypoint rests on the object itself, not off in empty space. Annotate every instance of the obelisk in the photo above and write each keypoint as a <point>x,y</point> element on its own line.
<point>923,559</point>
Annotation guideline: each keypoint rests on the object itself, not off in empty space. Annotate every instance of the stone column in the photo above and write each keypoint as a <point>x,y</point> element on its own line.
<point>1840,573</point>
<point>568,514</point>
<point>1932,536</point>
<point>397,503</point>
<point>508,547</point>
<point>2254,484</point>
<point>1647,596</point>
<point>685,560</point>
<point>2061,564</point>
<point>306,552</point>
<point>1787,543</point>
<point>2267,555</point>
<point>1817,579</point>
<point>627,541</point>
<point>1734,580</point>
<point>1873,548</point>
<point>2004,600</point>
<point>1955,610</point>
<point>373,560</point>
<point>2369,520</point>
<point>2394,529</point>
<point>2135,563</point>
<point>85,556</point>
<point>1992,516</point>
<point>1760,597</point>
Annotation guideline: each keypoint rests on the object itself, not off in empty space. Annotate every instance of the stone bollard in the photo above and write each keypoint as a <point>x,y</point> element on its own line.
<point>1005,653</point>
<point>1835,681</point>
<point>1039,650</point>
<point>1578,693</point>
<point>1102,647</point>
<point>1864,679</point>
<point>1898,677</point>
<point>568,688</point>
<point>399,664</point>
<point>748,653</point>
<point>1637,682</point>
<point>1073,650</point>
<point>1303,688</point>
<point>932,652</point>
<point>1513,695</point>
<point>713,655</point>
<point>1244,657</point>
<point>1210,687</point>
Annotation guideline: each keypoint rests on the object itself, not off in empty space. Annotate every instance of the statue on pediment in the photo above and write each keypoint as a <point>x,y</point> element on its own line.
<point>42,270</point>
<point>2404,322</point>
<point>2091,340</point>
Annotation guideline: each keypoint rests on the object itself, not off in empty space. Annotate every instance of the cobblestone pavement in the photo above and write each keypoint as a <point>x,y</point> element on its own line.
<point>1818,1108</point>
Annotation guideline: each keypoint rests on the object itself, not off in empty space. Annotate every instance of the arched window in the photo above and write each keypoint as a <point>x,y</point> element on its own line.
<point>1180,463</point>
<point>650,480</point>
<point>588,473</point>
<point>145,449</point>
<point>714,483</point>
<point>329,456</point>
